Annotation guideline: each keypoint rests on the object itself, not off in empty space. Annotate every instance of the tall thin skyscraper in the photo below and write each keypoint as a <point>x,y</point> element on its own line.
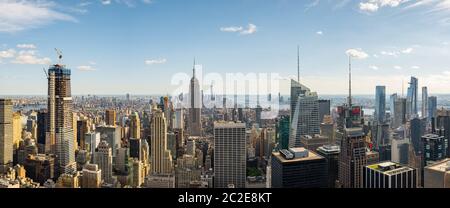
<point>60,134</point>
<point>412,97</point>
<point>229,155</point>
<point>380,104</point>
<point>135,126</point>
<point>195,119</point>
<point>432,107</point>
<point>392,100</point>
<point>6,137</point>
<point>304,110</point>
<point>306,118</point>
<point>161,158</point>
<point>424,102</point>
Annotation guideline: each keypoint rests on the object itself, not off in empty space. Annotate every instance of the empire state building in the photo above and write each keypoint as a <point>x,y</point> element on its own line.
<point>195,100</point>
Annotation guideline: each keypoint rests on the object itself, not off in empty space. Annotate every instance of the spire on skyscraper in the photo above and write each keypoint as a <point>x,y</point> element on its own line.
<point>193,69</point>
<point>349,80</point>
<point>298,63</point>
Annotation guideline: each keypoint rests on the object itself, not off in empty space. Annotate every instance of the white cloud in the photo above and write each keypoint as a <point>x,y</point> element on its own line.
<point>397,52</point>
<point>251,28</point>
<point>106,2</point>
<point>155,61</point>
<point>319,32</point>
<point>368,7</point>
<point>375,5</point>
<point>231,29</point>
<point>86,68</point>
<point>398,67</point>
<point>374,68</point>
<point>19,15</point>
<point>129,3</point>
<point>7,53</point>
<point>389,53</point>
<point>415,67</point>
<point>30,57</point>
<point>26,46</point>
<point>356,53</point>
<point>407,50</point>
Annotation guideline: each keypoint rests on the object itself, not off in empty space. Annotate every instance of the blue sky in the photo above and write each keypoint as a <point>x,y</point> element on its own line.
<point>136,46</point>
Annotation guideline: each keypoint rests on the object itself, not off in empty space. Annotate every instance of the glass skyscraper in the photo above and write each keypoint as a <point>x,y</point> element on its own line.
<point>380,104</point>
<point>412,97</point>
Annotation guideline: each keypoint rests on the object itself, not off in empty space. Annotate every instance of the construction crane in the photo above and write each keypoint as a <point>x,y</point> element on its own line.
<point>59,52</point>
<point>45,72</point>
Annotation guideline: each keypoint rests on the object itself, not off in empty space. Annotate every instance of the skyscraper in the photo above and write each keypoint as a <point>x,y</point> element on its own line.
<point>40,167</point>
<point>135,126</point>
<point>103,158</point>
<point>425,102</point>
<point>297,89</point>
<point>412,97</point>
<point>17,129</point>
<point>399,116</point>
<point>6,135</point>
<point>380,104</point>
<point>110,117</point>
<point>392,100</point>
<point>434,148</point>
<point>352,158</point>
<point>41,129</point>
<point>161,159</point>
<point>305,120</point>
<point>82,130</point>
<point>60,134</point>
<point>331,155</point>
<point>432,107</point>
<point>283,127</point>
<point>298,168</point>
<point>92,176</point>
<point>229,155</point>
<point>195,100</point>
<point>324,109</point>
<point>111,134</point>
<point>389,175</point>
<point>135,148</point>
<point>437,175</point>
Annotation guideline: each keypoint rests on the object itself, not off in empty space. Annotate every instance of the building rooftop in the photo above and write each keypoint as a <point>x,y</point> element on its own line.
<point>311,156</point>
<point>354,132</point>
<point>432,136</point>
<point>441,166</point>
<point>224,124</point>
<point>330,149</point>
<point>389,168</point>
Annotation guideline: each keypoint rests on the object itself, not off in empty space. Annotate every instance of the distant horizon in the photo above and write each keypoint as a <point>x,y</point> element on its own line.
<point>162,94</point>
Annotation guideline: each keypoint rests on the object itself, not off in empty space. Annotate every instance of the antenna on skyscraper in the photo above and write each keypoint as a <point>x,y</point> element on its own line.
<point>59,52</point>
<point>298,63</point>
<point>193,69</point>
<point>349,80</point>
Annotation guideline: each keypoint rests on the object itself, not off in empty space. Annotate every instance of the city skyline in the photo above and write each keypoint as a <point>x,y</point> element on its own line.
<point>156,37</point>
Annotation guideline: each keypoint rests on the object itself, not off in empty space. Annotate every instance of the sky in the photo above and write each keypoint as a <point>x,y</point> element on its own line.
<point>138,46</point>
